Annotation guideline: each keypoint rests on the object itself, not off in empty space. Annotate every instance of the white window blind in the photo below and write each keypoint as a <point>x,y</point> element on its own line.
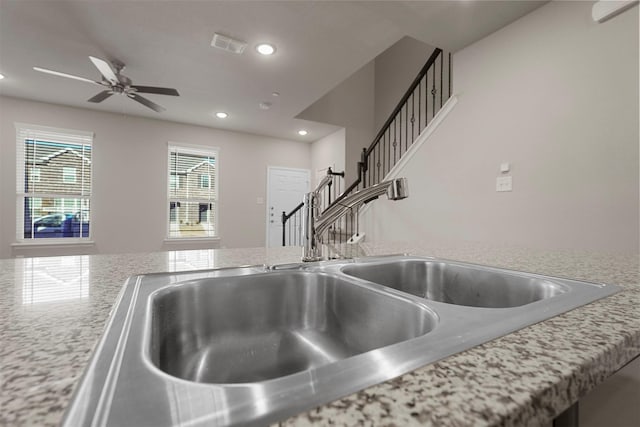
<point>53,182</point>
<point>193,192</point>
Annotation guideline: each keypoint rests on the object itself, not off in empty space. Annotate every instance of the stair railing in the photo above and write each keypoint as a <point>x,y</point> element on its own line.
<point>292,221</point>
<point>416,109</point>
<point>418,106</point>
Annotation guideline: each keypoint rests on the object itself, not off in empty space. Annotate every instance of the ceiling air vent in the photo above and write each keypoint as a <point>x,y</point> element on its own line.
<point>227,43</point>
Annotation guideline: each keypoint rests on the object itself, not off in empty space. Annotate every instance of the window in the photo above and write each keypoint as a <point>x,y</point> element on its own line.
<point>53,185</point>
<point>193,197</point>
<point>204,180</point>
<point>69,175</point>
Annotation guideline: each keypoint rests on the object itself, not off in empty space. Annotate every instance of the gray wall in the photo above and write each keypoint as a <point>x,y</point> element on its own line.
<point>556,95</point>
<point>129,201</point>
<point>350,105</point>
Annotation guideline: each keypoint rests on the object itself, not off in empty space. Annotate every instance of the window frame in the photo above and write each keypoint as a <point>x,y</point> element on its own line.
<point>25,132</point>
<point>214,177</point>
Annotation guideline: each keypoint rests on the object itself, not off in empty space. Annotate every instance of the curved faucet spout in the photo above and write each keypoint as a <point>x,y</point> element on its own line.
<point>313,227</point>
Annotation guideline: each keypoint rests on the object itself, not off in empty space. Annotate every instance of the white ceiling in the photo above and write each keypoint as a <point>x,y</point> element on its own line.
<point>167,43</point>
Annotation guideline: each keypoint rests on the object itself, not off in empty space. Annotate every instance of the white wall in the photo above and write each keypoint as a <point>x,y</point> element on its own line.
<point>327,152</point>
<point>556,95</point>
<point>129,200</point>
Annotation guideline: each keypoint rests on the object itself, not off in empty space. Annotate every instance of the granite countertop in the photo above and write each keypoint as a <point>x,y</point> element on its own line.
<point>53,311</point>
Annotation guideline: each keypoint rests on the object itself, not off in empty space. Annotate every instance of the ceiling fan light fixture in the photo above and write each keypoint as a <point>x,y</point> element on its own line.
<point>221,115</point>
<point>266,49</point>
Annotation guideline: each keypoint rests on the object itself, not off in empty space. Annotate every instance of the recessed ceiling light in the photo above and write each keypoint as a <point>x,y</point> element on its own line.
<point>221,115</point>
<point>266,49</point>
<point>265,105</point>
<point>1,76</point>
<point>302,132</point>
<point>275,93</point>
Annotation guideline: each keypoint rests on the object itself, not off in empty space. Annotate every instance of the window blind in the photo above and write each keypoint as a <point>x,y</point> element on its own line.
<point>53,182</point>
<point>192,189</point>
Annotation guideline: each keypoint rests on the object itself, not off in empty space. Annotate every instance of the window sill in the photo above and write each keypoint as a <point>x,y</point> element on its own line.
<point>52,243</point>
<point>181,240</point>
<point>191,243</point>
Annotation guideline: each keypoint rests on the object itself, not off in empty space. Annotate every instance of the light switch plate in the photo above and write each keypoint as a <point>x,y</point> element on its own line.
<point>504,183</point>
<point>260,201</point>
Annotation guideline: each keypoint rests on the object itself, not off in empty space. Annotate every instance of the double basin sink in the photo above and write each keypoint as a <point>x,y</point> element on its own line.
<point>254,345</point>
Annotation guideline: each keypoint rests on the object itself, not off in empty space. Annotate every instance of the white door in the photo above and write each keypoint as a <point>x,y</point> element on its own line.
<point>285,189</point>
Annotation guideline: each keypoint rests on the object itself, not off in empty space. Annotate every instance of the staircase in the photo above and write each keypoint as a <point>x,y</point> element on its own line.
<point>417,108</point>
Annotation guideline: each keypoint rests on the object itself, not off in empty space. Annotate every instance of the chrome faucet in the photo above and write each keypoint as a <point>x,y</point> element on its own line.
<point>314,223</point>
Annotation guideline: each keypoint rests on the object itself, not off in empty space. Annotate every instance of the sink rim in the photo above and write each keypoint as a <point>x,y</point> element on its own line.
<point>96,398</point>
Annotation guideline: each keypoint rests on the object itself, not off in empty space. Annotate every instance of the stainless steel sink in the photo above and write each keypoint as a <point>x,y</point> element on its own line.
<point>254,345</point>
<point>254,328</point>
<point>459,284</point>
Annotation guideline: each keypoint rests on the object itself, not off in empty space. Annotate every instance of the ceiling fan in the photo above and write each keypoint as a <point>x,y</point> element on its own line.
<point>117,83</point>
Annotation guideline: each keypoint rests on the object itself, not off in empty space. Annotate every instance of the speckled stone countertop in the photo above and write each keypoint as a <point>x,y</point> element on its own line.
<point>53,311</point>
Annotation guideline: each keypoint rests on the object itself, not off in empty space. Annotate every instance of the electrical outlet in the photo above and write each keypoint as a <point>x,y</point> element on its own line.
<point>504,183</point>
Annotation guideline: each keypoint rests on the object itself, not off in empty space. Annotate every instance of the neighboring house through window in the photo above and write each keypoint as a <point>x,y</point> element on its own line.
<point>193,197</point>
<point>53,182</point>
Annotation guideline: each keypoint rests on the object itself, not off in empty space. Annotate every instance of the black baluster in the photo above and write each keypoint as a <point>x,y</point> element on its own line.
<point>284,220</point>
<point>395,142</point>
<point>400,141</point>
<point>406,127</point>
<point>378,164</point>
<point>420,106</point>
<point>388,147</point>
<point>433,93</point>
<point>383,151</point>
<point>413,117</point>
<point>449,74</point>
<point>441,60</point>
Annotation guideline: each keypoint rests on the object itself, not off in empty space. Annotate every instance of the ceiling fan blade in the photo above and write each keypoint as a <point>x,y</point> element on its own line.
<point>144,101</point>
<point>101,96</point>
<point>105,69</point>
<point>69,76</point>
<point>156,90</point>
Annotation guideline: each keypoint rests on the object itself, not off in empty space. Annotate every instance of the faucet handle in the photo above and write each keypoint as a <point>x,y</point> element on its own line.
<point>398,189</point>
